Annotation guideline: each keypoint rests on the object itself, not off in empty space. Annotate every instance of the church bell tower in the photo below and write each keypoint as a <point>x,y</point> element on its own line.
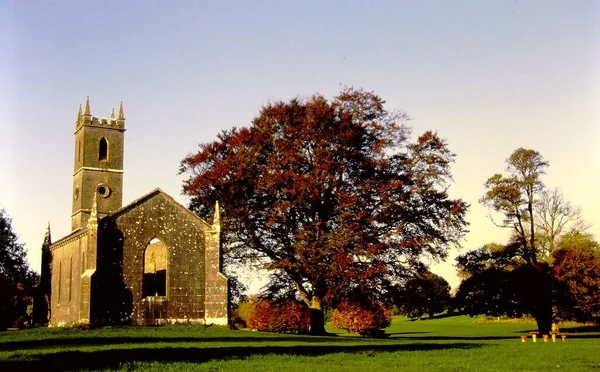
<point>98,166</point>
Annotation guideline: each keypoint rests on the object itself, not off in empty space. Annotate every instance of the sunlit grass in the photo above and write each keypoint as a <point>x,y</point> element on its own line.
<point>455,343</point>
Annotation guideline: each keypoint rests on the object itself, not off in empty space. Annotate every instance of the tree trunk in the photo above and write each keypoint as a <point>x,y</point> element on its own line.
<point>317,322</point>
<point>543,318</point>
<point>317,317</point>
<point>543,310</point>
<point>534,286</point>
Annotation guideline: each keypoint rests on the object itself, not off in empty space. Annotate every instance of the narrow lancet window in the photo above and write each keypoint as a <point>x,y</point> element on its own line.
<point>70,278</point>
<point>103,149</point>
<point>59,281</point>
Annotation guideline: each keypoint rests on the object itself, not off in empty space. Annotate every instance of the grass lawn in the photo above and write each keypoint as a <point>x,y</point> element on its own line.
<point>454,343</point>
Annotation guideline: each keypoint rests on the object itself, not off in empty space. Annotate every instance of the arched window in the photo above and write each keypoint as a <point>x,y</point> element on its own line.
<point>103,149</point>
<point>155,269</point>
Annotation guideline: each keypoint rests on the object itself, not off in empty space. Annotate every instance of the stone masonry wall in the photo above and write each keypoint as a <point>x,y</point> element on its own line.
<point>158,216</point>
<point>67,264</point>
<point>216,283</point>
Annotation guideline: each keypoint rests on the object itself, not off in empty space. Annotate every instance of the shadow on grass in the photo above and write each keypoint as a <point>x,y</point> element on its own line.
<point>106,341</point>
<point>575,335</point>
<point>405,333</point>
<point>444,315</point>
<point>116,358</point>
<point>453,338</point>
<point>581,329</point>
<point>438,316</point>
<point>481,338</point>
<point>574,332</point>
<point>32,345</point>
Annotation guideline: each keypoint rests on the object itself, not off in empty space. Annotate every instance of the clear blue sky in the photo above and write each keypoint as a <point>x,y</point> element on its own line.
<point>489,76</point>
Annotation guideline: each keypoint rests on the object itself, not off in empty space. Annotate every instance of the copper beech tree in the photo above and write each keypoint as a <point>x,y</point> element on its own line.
<point>330,195</point>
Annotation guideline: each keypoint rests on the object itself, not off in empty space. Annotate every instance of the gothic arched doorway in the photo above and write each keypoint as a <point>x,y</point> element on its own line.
<point>155,269</point>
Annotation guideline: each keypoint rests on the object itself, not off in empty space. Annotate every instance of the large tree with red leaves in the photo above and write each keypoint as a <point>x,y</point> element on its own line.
<point>576,270</point>
<point>330,195</point>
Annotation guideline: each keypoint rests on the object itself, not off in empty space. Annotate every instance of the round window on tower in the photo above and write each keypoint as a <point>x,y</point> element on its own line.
<point>103,190</point>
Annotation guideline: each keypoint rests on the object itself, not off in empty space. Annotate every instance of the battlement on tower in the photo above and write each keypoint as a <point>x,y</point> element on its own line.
<point>86,118</point>
<point>103,121</point>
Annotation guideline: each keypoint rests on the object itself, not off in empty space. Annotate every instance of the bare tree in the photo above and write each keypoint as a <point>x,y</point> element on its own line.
<point>554,216</point>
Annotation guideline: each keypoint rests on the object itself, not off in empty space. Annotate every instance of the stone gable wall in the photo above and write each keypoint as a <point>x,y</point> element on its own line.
<point>184,236</point>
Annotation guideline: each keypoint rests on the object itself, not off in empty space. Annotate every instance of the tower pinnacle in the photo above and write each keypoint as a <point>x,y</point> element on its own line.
<point>87,106</point>
<point>112,113</point>
<point>47,237</point>
<point>217,214</point>
<point>121,115</point>
<point>79,114</point>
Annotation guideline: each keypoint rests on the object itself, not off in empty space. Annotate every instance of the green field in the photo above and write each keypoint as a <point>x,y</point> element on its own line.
<point>455,343</point>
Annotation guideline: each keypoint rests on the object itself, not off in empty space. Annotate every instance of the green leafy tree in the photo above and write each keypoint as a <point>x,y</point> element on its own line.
<point>501,284</point>
<point>514,196</point>
<point>425,293</point>
<point>245,307</point>
<point>329,195</point>
<point>16,280</point>
<point>487,287</point>
<point>490,256</point>
<point>526,288</point>
<point>489,292</point>
<point>517,278</point>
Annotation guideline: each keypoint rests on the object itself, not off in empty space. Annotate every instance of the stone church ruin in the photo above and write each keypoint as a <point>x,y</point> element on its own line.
<point>149,262</point>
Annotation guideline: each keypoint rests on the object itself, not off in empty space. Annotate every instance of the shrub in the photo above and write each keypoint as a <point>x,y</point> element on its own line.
<point>291,316</point>
<point>360,319</point>
<point>21,322</point>
<point>245,309</point>
<point>425,293</point>
<point>236,321</point>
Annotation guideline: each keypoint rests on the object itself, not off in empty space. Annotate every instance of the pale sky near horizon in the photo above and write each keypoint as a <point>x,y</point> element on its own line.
<point>489,76</point>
